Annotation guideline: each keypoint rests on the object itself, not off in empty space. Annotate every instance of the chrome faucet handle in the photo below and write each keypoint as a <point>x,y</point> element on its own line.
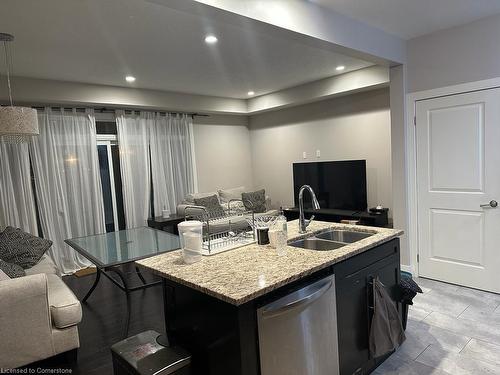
<point>307,222</point>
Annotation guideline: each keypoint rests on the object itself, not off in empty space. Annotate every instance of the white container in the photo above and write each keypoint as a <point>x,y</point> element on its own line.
<point>191,237</point>
<point>281,236</point>
<point>281,242</point>
<point>273,233</point>
<point>165,213</point>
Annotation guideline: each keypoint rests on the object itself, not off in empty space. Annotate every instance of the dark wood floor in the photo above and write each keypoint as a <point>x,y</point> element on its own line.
<point>103,320</point>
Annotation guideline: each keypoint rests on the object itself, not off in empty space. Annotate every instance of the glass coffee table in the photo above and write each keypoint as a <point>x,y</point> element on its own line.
<point>110,251</point>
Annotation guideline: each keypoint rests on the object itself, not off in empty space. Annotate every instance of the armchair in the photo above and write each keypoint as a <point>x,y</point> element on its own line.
<point>38,318</point>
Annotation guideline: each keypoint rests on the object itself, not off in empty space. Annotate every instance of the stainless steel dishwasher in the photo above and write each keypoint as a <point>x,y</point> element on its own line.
<point>298,332</point>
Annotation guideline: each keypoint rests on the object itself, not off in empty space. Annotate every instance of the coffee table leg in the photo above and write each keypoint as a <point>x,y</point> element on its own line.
<point>96,281</point>
<point>127,293</point>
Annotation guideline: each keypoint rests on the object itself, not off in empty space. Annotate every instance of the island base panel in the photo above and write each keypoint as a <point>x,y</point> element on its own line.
<point>223,338</point>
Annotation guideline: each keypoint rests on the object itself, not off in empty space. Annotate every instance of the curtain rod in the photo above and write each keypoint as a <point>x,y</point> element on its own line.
<point>113,110</point>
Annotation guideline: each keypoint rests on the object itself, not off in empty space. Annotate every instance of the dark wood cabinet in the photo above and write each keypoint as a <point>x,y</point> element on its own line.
<point>168,224</point>
<point>336,216</point>
<point>223,338</point>
<point>354,279</point>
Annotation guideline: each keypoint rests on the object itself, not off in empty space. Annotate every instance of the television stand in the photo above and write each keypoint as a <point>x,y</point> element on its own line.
<point>335,216</point>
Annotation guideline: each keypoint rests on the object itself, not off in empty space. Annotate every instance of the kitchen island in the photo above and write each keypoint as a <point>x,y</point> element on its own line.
<point>211,307</point>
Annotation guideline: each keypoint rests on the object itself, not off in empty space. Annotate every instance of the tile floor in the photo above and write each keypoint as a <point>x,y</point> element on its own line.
<point>451,330</point>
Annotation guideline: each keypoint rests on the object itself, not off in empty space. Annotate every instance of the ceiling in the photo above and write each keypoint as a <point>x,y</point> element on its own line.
<point>102,41</point>
<point>411,18</point>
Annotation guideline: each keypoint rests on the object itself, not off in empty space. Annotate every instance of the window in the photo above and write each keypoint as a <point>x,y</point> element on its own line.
<point>109,167</point>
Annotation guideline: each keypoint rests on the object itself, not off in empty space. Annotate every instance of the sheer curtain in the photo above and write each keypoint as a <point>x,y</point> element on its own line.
<point>68,185</point>
<point>172,160</point>
<point>17,205</point>
<point>133,141</point>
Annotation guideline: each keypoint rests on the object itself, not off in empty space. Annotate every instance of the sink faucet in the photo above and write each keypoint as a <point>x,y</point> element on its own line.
<point>303,223</point>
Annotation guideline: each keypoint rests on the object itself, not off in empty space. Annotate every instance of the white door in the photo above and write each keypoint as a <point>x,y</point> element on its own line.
<point>458,175</point>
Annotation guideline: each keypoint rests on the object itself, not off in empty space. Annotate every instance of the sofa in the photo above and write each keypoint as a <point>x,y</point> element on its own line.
<point>231,201</point>
<point>39,316</point>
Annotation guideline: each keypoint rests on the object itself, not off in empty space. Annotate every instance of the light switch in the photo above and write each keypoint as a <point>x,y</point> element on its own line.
<point>304,155</point>
<point>318,153</point>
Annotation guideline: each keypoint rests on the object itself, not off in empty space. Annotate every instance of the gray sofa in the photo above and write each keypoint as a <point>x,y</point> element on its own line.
<point>230,199</point>
<point>39,316</point>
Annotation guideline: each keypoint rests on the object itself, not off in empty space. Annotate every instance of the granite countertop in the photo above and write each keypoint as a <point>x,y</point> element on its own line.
<point>241,275</point>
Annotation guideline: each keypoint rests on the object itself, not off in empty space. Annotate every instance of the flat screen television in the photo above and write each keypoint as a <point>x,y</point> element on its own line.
<point>337,184</point>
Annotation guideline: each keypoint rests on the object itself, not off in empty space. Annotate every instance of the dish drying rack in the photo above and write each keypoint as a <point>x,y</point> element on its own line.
<point>225,231</point>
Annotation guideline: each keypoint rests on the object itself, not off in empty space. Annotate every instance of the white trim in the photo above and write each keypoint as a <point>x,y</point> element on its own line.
<point>406,268</point>
<point>107,137</point>
<point>411,181</point>
<point>455,89</point>
<point>111,180</point>
<point>411,153</point>
<point>112,184</point>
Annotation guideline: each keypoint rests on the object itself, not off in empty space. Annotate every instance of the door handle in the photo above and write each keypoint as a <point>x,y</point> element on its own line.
<point>318,291</point>
<point>492,204</point>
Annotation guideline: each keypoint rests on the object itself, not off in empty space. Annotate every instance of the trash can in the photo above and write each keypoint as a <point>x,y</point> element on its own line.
<point>143,355</point>
<point>409,289</point>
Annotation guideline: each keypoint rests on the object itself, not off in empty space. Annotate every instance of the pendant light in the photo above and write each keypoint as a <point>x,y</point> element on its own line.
<point>17,124</point>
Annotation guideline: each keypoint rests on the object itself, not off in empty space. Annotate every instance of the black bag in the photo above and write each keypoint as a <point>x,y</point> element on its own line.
<point>409,289</point>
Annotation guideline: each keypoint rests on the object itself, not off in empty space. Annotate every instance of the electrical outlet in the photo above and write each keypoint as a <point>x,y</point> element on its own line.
<point>304,155</point>
<point>318,153</point>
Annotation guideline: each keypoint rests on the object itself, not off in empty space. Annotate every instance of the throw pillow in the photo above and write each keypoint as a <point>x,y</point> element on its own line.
<point>255,201</point>
<point>11,270</point>
<point>212,205</point>
<point>21,248</point>
<point>235,207</point>
<point>191,197</point>
<point>227,194</point>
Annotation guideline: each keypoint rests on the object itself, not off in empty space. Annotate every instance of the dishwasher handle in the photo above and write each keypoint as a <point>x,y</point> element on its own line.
<point>317,291</point>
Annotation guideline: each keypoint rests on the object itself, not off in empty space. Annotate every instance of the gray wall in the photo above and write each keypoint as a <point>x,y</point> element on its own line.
<point>399,159</point>
<point>34,91</point>
<point>353,127</point>
<point>466,53</point>
<point>360,80</point>
<point>461,54</point>
<point>223,154</point>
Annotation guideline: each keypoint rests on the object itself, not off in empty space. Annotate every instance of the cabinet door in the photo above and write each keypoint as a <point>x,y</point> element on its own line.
<point>354,299</point>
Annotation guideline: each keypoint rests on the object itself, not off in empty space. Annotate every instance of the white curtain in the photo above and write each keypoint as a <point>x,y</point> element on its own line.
<point>68,184</point>
<point>172,160</point>
<point>133,141</point>
<point>17,205</point>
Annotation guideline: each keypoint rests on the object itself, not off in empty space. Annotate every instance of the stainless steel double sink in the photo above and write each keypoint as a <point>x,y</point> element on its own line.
<point>330,240</point>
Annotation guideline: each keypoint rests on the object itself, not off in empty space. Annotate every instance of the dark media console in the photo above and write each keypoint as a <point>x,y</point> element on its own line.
<point>334,215</point>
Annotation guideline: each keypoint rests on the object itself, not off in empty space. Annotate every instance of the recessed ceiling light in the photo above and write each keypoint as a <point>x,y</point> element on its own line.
<point>340,68</point>
<point>130,79</point>
<point>211,39</point>
<point>251,93</point>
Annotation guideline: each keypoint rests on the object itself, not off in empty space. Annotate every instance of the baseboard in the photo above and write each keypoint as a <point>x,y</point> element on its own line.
<point>406,268</point>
